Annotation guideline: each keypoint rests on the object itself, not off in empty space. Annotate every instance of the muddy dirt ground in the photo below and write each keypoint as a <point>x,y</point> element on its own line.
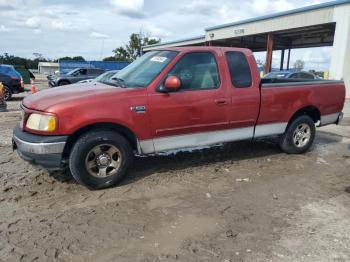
<point>185,206</point>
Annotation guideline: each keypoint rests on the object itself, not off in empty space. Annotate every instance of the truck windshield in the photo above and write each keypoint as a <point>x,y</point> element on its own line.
<point>142,71</point>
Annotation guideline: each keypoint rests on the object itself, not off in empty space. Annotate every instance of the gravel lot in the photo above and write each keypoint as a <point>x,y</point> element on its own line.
<point>238,202</point>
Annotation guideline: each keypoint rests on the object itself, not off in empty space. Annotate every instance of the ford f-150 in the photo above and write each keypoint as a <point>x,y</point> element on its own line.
<point>170,99</point>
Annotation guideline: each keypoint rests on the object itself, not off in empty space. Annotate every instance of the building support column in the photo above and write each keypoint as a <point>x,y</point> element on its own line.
<point>269,49</point>
<point>340,66</point>
<point>288,59</point>
<point>282,59</point>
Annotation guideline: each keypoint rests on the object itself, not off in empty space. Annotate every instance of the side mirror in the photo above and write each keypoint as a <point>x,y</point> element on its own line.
<point>172,83</point>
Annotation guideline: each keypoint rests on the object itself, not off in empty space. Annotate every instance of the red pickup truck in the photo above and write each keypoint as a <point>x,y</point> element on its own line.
<point>170,99</point>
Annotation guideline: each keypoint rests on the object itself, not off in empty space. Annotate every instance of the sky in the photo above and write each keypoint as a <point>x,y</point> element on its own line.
<point>93,29</point>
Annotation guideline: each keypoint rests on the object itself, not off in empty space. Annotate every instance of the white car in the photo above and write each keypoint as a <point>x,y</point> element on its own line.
<point>105,76</point>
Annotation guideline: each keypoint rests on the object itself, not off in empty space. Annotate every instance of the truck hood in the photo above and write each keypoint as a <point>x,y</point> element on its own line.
<point>71,94</point>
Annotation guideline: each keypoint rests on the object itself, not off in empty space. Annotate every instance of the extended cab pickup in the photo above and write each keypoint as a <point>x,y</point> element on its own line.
<point>170,99</point>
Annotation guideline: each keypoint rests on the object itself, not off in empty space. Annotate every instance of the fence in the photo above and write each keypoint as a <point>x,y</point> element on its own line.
<point>68,65</point>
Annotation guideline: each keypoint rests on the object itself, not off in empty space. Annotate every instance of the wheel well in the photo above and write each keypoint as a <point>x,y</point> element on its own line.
<point>310,111</point>
<point>8,87</point>
<point>63,80</point>
<point>124,131</point>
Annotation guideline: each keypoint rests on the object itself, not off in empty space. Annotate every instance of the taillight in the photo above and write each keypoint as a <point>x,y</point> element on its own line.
<point>22,83</point>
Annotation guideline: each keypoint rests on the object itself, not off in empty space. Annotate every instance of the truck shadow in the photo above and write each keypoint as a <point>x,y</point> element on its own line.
<point>144,166</point>
<point>234,151</point>
<point>176,161</point>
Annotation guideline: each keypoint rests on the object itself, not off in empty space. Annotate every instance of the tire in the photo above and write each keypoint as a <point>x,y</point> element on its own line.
<point>299,135</point>
<point>88,167</point>
<point>63,83</point>
<point>7,93</point>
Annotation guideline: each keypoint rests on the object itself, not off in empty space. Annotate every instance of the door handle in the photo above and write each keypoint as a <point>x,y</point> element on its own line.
<point>221,102</point>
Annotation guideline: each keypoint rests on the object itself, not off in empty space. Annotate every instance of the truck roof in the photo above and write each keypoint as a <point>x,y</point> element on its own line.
<point>207,48</point>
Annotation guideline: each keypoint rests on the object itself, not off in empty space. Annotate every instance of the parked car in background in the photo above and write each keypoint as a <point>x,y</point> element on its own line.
<point>104,77</point>
<point>12,81</point>
<point>287,74</point>
<point>166,100</point>
<point>3,105</point>
<point>74,76</point>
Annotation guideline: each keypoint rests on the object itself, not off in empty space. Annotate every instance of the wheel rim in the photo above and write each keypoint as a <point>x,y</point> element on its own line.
<point>302,135</point>
<point>103,160</point>
<point>7,93</point>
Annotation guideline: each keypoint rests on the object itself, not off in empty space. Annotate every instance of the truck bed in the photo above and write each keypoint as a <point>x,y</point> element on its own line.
<point>282,98</point>
<point>272,82</point>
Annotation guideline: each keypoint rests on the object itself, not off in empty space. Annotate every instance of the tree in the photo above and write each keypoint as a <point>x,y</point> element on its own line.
<point>78,58</point>
<point>20,61</point>
<point>38,56</point>
<point>299,65</point>
<point>121,54</point>
<point>133,49</point>
<point>260,63</point>
<point>110,59</point>
<point>75,58</point>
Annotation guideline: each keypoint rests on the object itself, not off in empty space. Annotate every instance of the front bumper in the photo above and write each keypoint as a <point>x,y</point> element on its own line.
<point>52,83</point>
<point>46,151</point>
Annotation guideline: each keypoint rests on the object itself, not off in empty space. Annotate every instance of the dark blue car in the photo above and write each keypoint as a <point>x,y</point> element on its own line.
<point>12,81</point>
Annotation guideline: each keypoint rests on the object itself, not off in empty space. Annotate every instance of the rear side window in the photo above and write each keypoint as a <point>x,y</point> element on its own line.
<point>295,75</point>
<point>97,71</point>
<point>93,71</point>
<point>241,76</point>
<point>306,76</point>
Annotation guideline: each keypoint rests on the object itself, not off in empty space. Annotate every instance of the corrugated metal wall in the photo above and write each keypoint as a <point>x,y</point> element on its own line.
<point>68,65</point>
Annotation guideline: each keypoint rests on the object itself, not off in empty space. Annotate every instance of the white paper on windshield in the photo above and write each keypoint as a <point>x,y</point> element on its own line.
<point>159,59</point>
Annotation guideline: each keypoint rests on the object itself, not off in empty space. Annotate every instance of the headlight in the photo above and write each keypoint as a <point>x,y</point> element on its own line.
<point>41,122</point>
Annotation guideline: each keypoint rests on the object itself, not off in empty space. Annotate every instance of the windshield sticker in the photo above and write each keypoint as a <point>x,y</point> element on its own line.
<point>159,59</point>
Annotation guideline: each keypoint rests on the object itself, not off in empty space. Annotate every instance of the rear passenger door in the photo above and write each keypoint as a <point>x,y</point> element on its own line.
<point>245,94</point>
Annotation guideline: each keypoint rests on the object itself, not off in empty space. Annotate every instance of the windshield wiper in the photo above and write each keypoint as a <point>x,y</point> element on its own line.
<point>120,82</point>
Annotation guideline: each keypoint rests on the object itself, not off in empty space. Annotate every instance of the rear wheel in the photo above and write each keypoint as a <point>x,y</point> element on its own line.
<point>7,93</point>
<point>299,135</point>
<point>100,159</point>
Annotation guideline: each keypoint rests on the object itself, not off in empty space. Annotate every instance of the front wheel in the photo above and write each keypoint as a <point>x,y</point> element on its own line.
<point>299,136</point>
<point>100,159</point>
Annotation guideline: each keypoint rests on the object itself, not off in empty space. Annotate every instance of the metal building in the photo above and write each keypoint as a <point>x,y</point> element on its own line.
<point>47,68</point>
<point>326,24</point>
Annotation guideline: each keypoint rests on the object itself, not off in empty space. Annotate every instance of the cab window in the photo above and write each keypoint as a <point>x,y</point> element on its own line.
<point>197,71</point>
<point>241,76</point>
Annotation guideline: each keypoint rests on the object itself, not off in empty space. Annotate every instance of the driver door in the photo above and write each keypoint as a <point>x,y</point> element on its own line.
<point>189,116</point>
